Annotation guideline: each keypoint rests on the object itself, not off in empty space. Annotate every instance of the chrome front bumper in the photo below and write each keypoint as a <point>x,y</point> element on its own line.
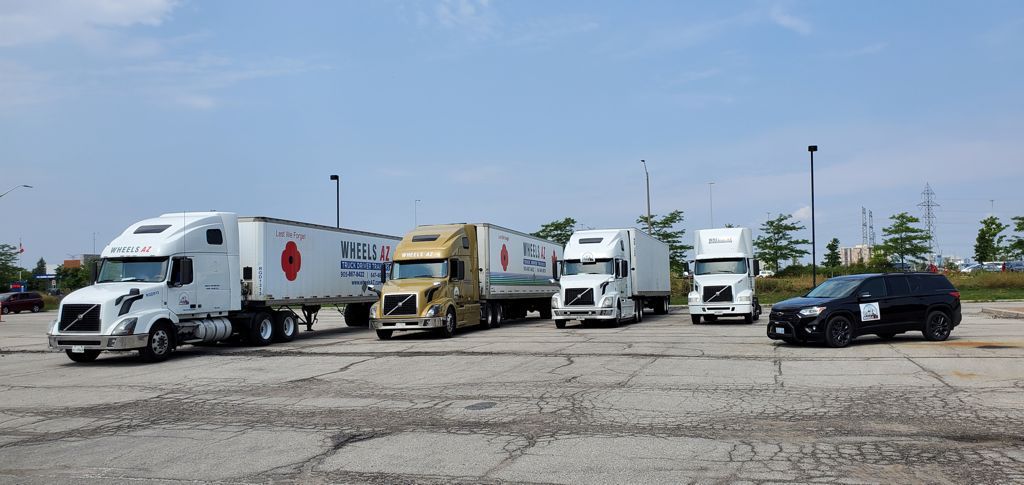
<point>97,342</point>
<point>408,323</point>
<point>721,308</point>
<point>580,313</point>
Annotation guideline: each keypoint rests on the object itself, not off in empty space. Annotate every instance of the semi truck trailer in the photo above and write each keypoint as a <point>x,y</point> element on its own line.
<point>612,275</point>
<point>203,277</point>
<point>724,271</point>
<point>448,276</point>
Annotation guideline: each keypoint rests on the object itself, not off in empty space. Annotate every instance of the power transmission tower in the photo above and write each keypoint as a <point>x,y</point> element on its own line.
<point>871,229</point>
<point>929,205</point>
<point>863,226</point>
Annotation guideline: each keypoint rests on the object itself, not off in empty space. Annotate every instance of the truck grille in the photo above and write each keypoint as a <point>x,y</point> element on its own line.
<point>725,295</point>
<point>399,305</point>
<point>70,321</point>
<point>579,296</point>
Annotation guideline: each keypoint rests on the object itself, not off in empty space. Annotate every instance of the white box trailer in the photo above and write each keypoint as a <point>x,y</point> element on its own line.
<point>205,276</point>
<point>515,264</point>
<point>612,274</point>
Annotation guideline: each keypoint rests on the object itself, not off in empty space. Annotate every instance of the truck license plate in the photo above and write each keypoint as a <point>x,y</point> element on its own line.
<point>780,330</point>
<point>78,349</point>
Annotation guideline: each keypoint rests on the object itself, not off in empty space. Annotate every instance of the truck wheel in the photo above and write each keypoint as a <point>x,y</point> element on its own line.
<point>285,327</point>
<point>87,356</point>
<point>160,343</point>
<point>748,318</point>
<point>545,313</point>
<point>695,319</point>
<point>497,314</point>
<point>384,334</point>
<point>559,323</point>
<point>261,330</point>
<point>448,330</point>
<point>357,315</point>
<point>639,311</point>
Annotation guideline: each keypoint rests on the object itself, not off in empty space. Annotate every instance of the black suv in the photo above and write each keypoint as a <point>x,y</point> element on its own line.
<point>844,307</point>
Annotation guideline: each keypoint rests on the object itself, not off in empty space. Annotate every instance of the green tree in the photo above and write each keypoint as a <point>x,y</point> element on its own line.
<point>8,268</point>
<point>776,241</point>
<point>39,270</point>
<point>557,231</point>
<point>903,241</point>
<point>989,244</point>
<point>664,230</point>
<point>1016,248</point>
<point>71,279</point>
<point>832,259</point>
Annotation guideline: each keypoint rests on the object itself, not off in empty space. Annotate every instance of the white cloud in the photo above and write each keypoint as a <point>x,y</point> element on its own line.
<point>789,21</point>
<point>474,16</point>
<point>803,213</point>
<point>33,21</point>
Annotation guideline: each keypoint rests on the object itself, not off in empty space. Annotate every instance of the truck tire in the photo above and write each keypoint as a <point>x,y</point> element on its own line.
<point>748,319</point>
<point>695,319</point>
<point>662,308</point>
<point>497,314</point>
<point>160,343</point>
<point>384,334</point>
<point>285,327</point>
<point>261,330</point>
<point>357,315</point>
<point>559,323</point>
<point>87,356</point>
<point>450,323</point>
<point>639,305</point>
<point>545,313</point>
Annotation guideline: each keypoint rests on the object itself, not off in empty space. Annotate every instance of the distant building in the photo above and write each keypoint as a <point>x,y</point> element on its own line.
<point>859,254</point>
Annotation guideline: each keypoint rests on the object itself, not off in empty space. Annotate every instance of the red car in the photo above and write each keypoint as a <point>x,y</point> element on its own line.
<point>18,302</point>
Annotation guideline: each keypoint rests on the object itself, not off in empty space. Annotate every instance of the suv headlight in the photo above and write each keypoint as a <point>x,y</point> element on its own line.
<point>433,311</point>
<point>812,311</point>
<point>125,327</point>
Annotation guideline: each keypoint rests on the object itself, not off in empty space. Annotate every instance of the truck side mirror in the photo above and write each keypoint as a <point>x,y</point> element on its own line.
<point>94,272</point>
<point>757,267</point>
<point>383,272</point>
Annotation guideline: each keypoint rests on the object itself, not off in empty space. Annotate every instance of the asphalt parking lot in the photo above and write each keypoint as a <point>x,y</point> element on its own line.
<point>660,401</point>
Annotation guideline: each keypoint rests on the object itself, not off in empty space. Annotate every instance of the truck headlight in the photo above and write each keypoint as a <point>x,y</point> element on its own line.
<point>555,301</point>
<point>812,311</point>
<point>434,311</point>
<point>743,298</point>
<point>693,297</point>
<point>373,310</point>
<point>125,327</point>
<point>606,302</point>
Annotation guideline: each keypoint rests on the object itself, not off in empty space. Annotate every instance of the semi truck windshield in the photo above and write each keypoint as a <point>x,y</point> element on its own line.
<point>720,266</point>
<point>152,270</point>
<point>600,266</point>
<point>401,270</point>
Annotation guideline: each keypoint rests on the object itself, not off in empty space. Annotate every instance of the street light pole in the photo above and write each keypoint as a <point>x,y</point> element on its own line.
<point>337,200</point>
<point>416,213</point>
<point>647,176</point>
<point>16,187</point>
<point>814,256</point>
<point>711,204</point>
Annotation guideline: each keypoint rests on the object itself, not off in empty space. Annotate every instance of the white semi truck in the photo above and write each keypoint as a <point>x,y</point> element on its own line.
<point>192,277</point>
<point>611,275</point>
<point>724,271</point>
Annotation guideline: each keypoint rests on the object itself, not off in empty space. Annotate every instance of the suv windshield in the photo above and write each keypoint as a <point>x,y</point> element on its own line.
<point>401,270</point>
<point>151,270</point>
<point>834,289</point>
<point>720,266</point>
<point>600,266</point>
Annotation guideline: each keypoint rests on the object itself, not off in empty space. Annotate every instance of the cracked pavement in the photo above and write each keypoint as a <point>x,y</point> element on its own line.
<point>660,401</point>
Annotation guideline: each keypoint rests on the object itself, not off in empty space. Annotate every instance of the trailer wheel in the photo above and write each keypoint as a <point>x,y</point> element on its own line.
<point>448,330</point>
<point>87,356</point>
<point>662,306</point>
<point>497,314</point>
<point>639,306</point>
<point>160,343</point>
<point>384,334</point>
<point>261,330</point>
<point>285,327</point>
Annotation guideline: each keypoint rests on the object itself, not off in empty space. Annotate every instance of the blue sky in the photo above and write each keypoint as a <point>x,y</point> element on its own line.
<point>515,113</point>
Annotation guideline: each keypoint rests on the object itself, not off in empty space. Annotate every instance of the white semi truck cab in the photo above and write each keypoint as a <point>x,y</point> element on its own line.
<point>724,272</point>
<point>611,275</point>
<point>205,276</point>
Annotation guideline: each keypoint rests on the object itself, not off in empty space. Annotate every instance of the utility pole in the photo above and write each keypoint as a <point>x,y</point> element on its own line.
<point>337,200</point>
<point>416,213</point>
<point>929,205</point>
<point>647,176</point>
<point>814,256</point>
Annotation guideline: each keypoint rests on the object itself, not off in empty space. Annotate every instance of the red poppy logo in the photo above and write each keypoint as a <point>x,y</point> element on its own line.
<point>504,258</point>
<point>291,261</point>
<point>554,259</point>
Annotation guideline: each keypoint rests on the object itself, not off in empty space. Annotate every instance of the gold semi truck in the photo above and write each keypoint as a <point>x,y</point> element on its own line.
<point>455,275</point>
